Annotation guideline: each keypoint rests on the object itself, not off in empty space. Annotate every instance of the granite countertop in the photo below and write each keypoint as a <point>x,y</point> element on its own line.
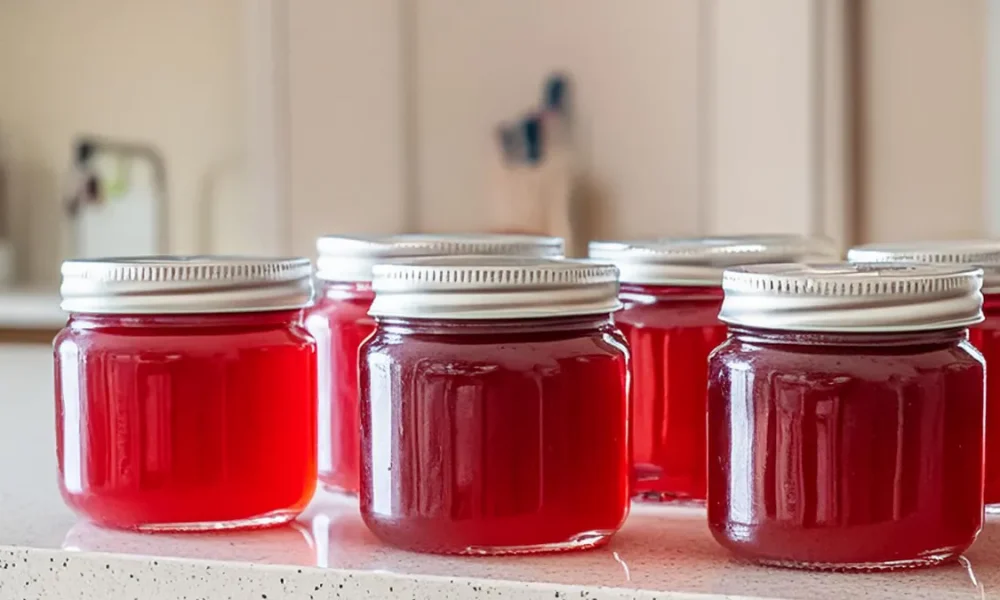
<point>46,552</point>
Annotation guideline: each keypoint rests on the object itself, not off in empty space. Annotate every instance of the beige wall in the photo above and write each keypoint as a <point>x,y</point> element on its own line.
<point>764,134</point>
<point>714,116</point>
<point>635,72</point>
<point>922,101</point>
<point>694,116</point>
<point>690,117</point>
<point>347,138</point>
<point>168,74</point>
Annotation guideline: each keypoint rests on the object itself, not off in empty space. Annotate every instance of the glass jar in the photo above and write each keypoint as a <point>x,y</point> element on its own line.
<point>185,392</point>
<point>671,292</point>
<point>494,408</point>
<point>984,336</point>
<point>339,322</point>
<point>846,415</point>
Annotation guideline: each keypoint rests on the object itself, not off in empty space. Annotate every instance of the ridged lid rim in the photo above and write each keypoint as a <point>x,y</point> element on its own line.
<point>185,284</point>
<point>493,287</point>
<point>852,297</point>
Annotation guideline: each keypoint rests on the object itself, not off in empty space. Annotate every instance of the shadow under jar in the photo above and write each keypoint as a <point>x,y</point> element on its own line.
<point>671,291</point>
<point>984,336</point>
<point>339,322</point>
<point>185,392</point>
<point>494,409</point>
<point>846,416</point>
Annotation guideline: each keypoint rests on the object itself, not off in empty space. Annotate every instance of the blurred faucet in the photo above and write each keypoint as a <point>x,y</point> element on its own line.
<point>88,187</point>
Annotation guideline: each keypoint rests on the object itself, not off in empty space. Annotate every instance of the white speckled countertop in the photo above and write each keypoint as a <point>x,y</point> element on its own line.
<point>45,552</point>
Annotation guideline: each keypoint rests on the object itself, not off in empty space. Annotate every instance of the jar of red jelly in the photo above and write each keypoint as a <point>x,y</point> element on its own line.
<point>185,392</point>
<point>339,322</point>
<point>984,336</point>
<point>494,408</point>
<point>846,415</point>
<point>671,291</point>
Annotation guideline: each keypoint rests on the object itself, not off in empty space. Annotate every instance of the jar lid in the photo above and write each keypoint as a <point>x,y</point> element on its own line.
<point>701,261</point>
<point>351,258</point>
<point>852,297</point>
<point>493,287</point>
<point>984,254</point>
<point>185,284</point>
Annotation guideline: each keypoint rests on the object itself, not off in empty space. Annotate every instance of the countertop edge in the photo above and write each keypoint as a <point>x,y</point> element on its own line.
<point>58,574</point>
<point>30,308</point>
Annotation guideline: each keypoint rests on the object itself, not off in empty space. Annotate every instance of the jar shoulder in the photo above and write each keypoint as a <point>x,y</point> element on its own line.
<point>868,361</point>
<point>527,348</point>
<point>645,311</point>
<point>206,339</point>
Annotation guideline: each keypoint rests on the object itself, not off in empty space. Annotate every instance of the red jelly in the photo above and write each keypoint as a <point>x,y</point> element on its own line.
<point>494,409</point>
<point>671,292</point>
<point>339,322</point>
<point>185,392</point>
<point>846,416</point>
<point>985,336</point>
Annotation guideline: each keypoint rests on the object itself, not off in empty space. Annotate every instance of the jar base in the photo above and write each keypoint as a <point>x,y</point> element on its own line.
<point>583,541</point>
<point>422,543</point>
<point>928,560</point>
<point>272,519</point>
<point>668,498</point>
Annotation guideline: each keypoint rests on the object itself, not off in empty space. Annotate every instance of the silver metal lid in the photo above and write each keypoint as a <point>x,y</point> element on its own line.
<point>984,254</point>
<point>351,258</point>
<point>701,261</point>
<point>185,284</point>
<point>852,297</point>
<point>493,287</point>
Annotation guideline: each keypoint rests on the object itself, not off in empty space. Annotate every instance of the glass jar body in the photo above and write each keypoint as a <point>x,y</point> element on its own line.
<point>860,451</point>
<point>494,437</point>
<point>339,322</point>
<point>186,422</point>
<point>671,331</point>
<point>986,338</point>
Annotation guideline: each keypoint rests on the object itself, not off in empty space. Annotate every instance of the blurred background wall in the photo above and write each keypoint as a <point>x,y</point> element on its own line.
<point>669,95</point>
<point>280,120</point>
<point>922,103</point>
<point>169,74</point>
